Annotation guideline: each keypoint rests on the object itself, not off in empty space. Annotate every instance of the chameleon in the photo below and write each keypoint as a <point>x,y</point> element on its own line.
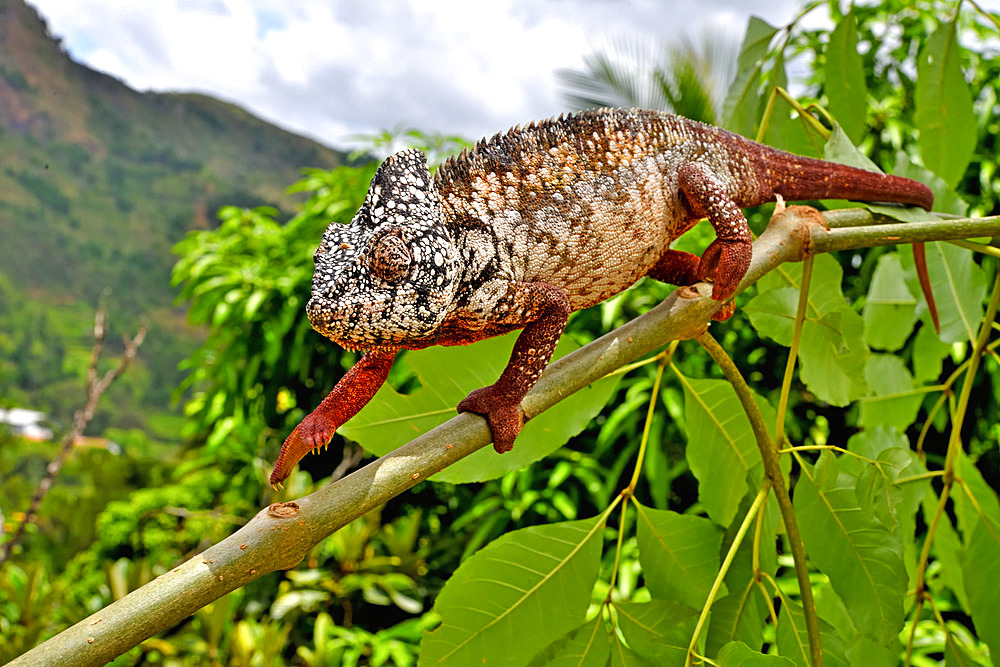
<point>522,229</point>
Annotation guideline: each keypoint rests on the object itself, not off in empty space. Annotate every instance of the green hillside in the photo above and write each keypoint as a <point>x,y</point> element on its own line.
<point>97,183</point>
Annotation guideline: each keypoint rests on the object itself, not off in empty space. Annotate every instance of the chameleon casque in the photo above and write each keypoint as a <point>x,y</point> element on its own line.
<point>531,225</point>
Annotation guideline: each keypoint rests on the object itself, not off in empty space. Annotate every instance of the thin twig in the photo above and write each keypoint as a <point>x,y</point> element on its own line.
<point>772,471</point>
<point>751,515</point>
<point>96,386</point>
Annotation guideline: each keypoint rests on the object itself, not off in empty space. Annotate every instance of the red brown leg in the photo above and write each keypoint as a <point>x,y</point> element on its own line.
<point>727,259</point>
<point>500,403</point>
<point>678,267</point>
<point>351,394</point>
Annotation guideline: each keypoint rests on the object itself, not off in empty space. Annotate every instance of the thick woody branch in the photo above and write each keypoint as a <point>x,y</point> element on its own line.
<point>279,536</point>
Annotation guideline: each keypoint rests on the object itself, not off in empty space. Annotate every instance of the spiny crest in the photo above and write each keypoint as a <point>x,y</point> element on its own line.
<point>537,137</point>
<point>401,187</point>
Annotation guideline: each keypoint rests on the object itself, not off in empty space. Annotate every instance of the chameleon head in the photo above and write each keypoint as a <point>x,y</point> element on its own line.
<point>389,276</point>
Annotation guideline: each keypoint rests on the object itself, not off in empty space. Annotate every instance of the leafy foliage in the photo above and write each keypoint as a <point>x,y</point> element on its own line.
<point>888,437</point>
<point>515,594</point>
<point>856,510</point>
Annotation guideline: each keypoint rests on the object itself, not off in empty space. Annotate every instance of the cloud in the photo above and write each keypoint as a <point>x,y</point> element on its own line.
<point>333,69</point>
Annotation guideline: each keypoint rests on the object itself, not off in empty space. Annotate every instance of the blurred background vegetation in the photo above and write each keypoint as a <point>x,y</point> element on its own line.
<point>114,521</point>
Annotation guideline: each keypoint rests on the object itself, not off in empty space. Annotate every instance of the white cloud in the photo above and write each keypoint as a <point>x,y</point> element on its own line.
<point>332,69</point>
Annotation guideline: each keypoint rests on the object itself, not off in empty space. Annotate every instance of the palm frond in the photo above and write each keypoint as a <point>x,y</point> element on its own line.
<point>687,77</point>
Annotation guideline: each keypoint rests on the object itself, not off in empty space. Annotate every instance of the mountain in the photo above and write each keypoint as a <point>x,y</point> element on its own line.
<point>97,183</point>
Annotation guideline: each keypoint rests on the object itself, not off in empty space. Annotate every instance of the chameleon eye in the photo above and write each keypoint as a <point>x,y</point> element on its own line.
<point>391,259</point>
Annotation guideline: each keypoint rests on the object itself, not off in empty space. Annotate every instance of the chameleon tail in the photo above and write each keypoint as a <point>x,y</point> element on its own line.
<point>796,178</point>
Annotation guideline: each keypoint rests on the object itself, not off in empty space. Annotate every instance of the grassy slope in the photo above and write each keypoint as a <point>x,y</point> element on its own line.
<point>98,181</point>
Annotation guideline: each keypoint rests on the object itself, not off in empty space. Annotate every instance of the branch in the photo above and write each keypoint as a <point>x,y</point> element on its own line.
<point>280,536</point>
<point>855,229</point>
<point>95,389</point>
<point>776,480</point>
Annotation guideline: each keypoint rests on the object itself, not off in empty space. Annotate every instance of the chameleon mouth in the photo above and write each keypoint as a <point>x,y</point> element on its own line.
<point>354,327</point>
<point>334,323</point>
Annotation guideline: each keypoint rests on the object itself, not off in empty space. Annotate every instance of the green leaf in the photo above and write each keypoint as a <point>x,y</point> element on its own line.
<point>830,608</point>
<point>959,655</point>
<point>772,313</point>
<point>893,404</point>
<point>864,651</point>
<point>980,570</point>
<point>586,646</point>
<point>928,355</point>
<point>721,447</point>
<point>832,351</point>
<point>792,638</point>
<point>659,630</point>
<point>890,309</point>
<point>833,356</point>
<point>679,554</point>
<point>948,550</point>
<point>448,374</point>
<point>738,654</point>
<point>510,598</point>
<point>824,294</point>
<point>880,494</point>
<point>253,303</point>
<point>985,507</point>
<point>861,556</point>
<point>879,482</point>
<point>839,148</point>
<point>786,129</point>
<point>986,503</point>
<point>944,116</point>
<point>623,656</point>
<point>845,78</point>
<point>739,111</point>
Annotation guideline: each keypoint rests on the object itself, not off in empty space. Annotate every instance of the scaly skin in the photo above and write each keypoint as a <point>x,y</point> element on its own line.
<point>532,225</point>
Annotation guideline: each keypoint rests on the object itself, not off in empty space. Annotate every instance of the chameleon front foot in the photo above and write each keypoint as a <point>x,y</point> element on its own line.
<point>351,394</point>
<point>314,432</point>
<point>503,415</point>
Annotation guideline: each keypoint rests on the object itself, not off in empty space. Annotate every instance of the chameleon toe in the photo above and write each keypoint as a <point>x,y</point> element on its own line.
<point>505,419</point>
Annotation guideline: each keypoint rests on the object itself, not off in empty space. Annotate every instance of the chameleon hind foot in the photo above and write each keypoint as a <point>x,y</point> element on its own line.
<point>504,417</point>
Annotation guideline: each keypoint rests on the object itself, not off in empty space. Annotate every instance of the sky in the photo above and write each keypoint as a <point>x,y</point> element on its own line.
<point>333,69</point>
